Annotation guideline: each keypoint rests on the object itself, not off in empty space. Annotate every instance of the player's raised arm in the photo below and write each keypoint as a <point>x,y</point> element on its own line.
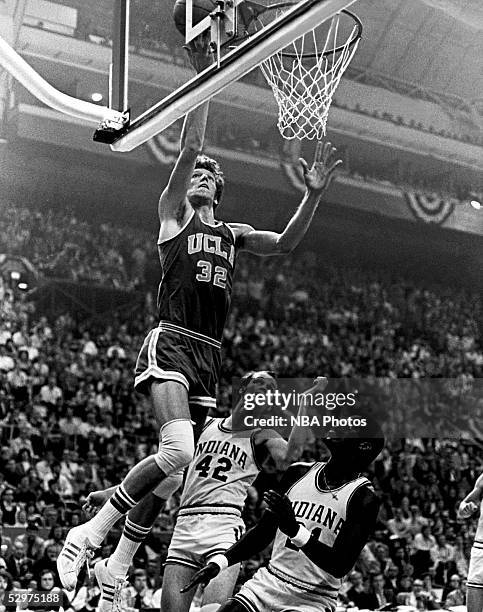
<point>285,453</point>
<point>172,200</point>
<point>469,505</point>
<point>317,178</point>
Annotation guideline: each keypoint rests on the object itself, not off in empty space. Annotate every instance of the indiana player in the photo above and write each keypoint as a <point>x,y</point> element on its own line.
<point>471,503</point>
<point>321,519</point>
<point>179,361</point>
<point>228,457</point>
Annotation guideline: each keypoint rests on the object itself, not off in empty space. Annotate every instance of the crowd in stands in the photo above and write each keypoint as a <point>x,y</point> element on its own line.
<point>71,423</point>
<point>61,245</point>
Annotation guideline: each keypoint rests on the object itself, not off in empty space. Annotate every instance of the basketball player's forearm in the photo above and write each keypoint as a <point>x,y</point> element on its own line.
<point>299,434</point>
<point>194,128</point>
<point>296,442</point>
<point>299,224</point>
<point>476,494</point>
<point>253,542</point>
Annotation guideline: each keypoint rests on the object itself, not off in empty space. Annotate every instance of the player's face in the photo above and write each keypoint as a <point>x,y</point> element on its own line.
<point>261,383</point>
<point>202,189</point>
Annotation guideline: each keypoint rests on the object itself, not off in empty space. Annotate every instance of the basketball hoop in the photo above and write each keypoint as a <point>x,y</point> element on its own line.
<point>305,74</point>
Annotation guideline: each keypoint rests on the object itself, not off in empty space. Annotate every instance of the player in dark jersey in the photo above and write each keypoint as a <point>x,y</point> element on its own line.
<point>179,362</point>
<point>321,519</point>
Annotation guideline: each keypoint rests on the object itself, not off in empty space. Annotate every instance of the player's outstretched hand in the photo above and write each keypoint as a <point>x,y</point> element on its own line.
<point>199,52</point>
<point>202,576</point>
<point>466,509</point>
<point>95,501</point>
<point>318,177</point>
<point>281,506</point>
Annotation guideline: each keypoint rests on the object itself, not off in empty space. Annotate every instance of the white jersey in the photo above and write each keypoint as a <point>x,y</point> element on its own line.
<point>317,510</point>
<point>223,467</point>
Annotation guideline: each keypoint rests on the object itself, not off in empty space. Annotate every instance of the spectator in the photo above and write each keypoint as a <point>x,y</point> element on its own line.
<point>443,557</point>
<point>422,545</point>
<point>457,593</point>
<point>33,543</point>
<point>18,564</point>
<point>47,585</point>
<point>51,393</point>
<point>139,595</point>
<point>399,526</point>
<point>8,507</point>
<point>378,595</point>
<point>357,593</point>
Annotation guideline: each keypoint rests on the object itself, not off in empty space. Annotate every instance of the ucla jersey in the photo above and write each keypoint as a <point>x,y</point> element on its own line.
<point>317,510</point>
<point>223,467</point>
<point>197,276</point>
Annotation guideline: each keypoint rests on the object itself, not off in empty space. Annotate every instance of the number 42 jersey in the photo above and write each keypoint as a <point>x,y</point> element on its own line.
<point>223,468</point>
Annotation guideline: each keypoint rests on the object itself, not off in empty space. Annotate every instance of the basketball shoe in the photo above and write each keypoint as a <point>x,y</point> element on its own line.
<point>76,552</point>
<point>111,588</point>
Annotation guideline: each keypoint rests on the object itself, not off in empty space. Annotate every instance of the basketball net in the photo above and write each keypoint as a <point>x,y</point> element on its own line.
<point>304,76</point>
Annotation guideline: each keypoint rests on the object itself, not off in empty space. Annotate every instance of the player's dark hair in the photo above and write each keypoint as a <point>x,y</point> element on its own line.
<point>362,444</point>
<point>207,163</point>
<point>370,444</point>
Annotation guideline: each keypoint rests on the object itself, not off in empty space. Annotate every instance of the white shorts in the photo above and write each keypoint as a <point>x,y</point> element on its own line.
<point>198,537</point>
<point>475,572</point>
<point>267,593</point>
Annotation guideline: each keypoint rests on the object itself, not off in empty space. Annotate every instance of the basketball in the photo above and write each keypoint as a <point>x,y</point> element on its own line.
<point>201,9</point>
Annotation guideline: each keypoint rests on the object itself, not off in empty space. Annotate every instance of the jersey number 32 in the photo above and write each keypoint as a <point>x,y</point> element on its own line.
<point>206,274</point>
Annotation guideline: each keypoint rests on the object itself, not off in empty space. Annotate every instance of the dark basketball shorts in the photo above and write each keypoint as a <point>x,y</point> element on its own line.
<point>171,352</point>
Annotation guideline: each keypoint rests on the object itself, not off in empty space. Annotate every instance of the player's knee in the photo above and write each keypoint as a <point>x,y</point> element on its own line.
<point>176,446</point>
<point>169,485</point>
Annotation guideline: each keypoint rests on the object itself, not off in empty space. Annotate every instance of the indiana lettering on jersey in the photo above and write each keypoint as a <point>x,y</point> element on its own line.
<point>319,514</point>
<point>209,244</point>
<point>222,447</point>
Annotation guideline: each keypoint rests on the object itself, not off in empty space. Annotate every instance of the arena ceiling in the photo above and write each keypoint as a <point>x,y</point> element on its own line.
<point>436,45</point>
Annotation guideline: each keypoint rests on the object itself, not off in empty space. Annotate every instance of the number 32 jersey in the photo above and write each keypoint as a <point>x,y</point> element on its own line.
<point>197,276</point>
<point>223,468</point>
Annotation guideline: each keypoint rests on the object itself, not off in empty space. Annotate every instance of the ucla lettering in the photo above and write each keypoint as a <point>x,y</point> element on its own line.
<point>207,243</point>
<point>195,243</point>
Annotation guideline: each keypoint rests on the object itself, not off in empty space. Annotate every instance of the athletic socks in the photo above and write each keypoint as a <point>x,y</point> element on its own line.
<point>118,505</point>
<point>132,536</point>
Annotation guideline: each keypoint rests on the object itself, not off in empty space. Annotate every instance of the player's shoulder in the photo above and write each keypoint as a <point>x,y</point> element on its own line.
<point>172,227</point>
<point>365,497</point>
<point>211,421</point>
<point>240,229</point>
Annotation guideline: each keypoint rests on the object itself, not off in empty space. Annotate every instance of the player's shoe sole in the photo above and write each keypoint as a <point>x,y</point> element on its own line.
<point>75,553</point>
<point>110,586</point>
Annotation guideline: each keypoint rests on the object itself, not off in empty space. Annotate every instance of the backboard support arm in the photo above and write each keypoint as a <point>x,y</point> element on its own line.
<point>119,69</point>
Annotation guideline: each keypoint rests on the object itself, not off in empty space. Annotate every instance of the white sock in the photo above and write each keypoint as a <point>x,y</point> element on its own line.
<point>210,607</point>
<point>131,539</point>
<point>99,526</point>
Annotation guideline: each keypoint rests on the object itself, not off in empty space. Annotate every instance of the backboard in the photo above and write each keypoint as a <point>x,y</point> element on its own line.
<point>234,60</point>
